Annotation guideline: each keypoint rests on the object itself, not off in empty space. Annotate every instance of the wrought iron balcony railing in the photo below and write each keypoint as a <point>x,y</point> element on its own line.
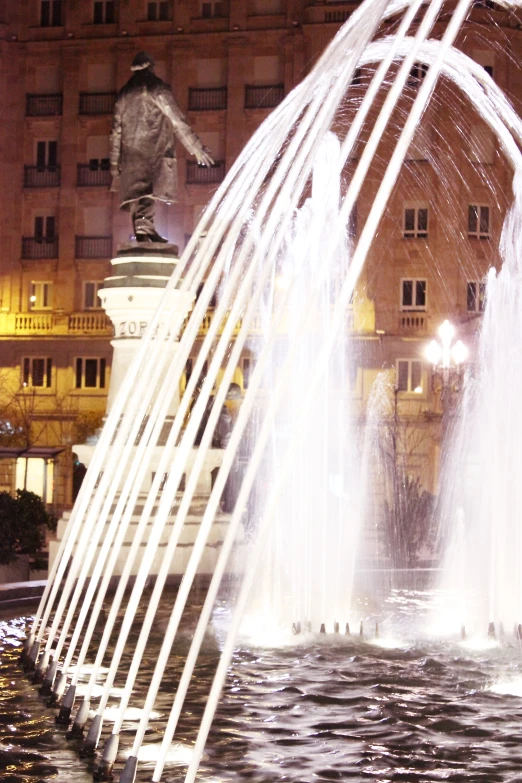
<point>337,16</point>
<point>41,176</point>
<point>91,177</point>
<point>211,99</point>
<point>39,247</point>
<point>93,247</point>
<point>44,105</point>
<point>97,102</point>
<point>336,12</point>
<point>264,96</point>
<point>203,175</point>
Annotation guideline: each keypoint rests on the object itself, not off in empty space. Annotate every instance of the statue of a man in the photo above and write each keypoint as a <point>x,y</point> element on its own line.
<point>143,149</point>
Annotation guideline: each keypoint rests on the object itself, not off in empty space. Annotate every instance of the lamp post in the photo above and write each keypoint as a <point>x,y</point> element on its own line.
<point>447,358</point>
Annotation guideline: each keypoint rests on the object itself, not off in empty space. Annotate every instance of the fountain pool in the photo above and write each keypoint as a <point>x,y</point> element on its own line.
<point>321,708</point>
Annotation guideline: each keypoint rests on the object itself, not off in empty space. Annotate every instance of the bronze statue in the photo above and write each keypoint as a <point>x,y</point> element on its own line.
<point>143,152</point>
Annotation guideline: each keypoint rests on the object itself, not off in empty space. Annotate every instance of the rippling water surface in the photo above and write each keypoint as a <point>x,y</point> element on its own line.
<point>317,709</point>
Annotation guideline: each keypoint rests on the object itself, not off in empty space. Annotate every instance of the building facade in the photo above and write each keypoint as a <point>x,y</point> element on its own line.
<point>229,62</point>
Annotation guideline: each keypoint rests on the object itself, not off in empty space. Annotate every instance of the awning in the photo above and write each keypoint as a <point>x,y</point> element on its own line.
<point>36,452</point>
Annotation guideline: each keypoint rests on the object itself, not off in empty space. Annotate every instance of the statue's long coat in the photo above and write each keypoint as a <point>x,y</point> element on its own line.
<point>143,149</point>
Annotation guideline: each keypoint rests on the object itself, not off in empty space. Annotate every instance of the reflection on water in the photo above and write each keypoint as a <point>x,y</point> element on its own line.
<point>324,708</point>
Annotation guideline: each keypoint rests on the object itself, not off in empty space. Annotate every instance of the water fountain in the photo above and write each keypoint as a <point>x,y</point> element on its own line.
<point>259,216</point>
<point>483,555</point>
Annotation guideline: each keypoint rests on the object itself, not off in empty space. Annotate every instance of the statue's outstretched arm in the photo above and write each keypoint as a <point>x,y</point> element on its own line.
<point>167,104</point>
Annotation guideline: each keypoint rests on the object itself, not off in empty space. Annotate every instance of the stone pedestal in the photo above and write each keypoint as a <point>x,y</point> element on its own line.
<point>130,297</point>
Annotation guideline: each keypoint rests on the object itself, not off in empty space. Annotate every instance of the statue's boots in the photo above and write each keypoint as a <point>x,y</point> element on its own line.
<point>143,221</point>
<point>142,236</point>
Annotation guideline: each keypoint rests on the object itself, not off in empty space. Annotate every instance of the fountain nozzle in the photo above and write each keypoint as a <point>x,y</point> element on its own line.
<point>93,737</point>
<point>129,770</point>
<point>47,684</point>
<point>64,716</point>
<point>80,720</point>
<point>104,769</point>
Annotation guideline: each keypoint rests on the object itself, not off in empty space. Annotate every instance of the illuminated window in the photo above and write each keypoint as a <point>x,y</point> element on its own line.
<point>41,295</point>
<point>475,296</point>
<point>90,373</point>
<point>413,294</point>
<point>37,371</point>
<point>409,376</point>
<point>91,300</point>
<point>478,221</point>
<point>415,222</point>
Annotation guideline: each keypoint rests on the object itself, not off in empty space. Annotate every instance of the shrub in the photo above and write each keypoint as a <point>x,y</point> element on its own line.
<point>23,523</point>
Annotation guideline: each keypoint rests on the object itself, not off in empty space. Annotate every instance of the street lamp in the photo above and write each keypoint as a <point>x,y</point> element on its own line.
<point>447,358</point>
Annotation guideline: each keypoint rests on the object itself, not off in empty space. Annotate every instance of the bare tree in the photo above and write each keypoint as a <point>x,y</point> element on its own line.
<point>406,521</point>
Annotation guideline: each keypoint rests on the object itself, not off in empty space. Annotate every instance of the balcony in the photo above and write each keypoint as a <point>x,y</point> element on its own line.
<point>92,177</point>
<point>39,247</point>
<point>333,12</point>
<point>412,322</point>
<point>256,326</point>
<point>44,105</point>
<point>97,102</point>
<point>89,322</point>
<point>204,175</point>
<point>336,16</point>
<point>34,322</point>
<point>73,323</point>
<point>211,99</point>
<point>41,176</point>
<point>93,247</point>
<point>264,97</point>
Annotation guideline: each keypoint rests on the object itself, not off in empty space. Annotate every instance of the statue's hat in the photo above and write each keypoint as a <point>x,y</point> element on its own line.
<point>141,61</point>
